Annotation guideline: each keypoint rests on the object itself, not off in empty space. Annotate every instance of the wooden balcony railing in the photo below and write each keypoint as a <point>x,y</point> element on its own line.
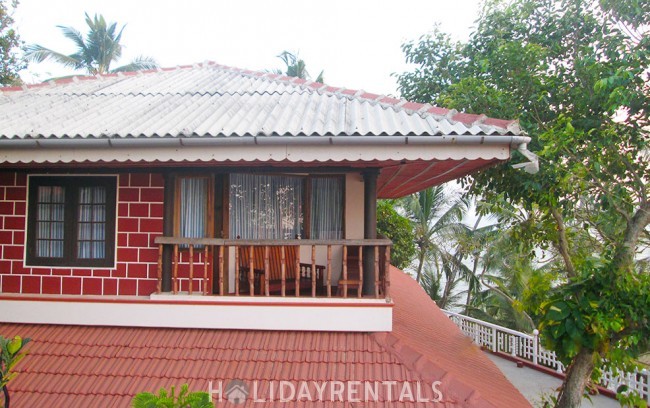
<point>274,267</point>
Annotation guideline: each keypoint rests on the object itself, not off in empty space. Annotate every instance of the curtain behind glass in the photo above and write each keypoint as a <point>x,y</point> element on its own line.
<point>50,217</point>
<point>91,227</point>
<point>265,206</point>
<point>194,207</point>
<point>327,208</point>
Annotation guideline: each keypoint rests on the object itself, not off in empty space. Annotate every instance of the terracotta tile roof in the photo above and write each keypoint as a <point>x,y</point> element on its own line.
<point>104,367</point>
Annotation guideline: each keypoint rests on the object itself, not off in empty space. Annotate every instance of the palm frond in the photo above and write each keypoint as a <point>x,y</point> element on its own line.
<point>95,52</point>
<point>38,53</point>
<point>73,35</point>
<point>319,78</point>
<point>139,63</point>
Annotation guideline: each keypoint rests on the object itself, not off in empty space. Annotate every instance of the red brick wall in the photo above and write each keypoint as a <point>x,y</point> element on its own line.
<point>139,221</point>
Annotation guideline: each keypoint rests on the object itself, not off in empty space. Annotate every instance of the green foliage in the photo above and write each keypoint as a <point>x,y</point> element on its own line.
<point>95,53</point>
<point>10,45</point>
<point>575,75</point>
<point>10,356</point>
<point>435,215</point>
<point>296,67</point>
<point>397,228</point>
<point>632,12</point>
<point>164,399</point>
<point>438,61</point>
<point>602,310</point>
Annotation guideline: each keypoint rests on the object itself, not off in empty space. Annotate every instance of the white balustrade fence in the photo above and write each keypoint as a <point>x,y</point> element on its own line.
<point>526,347</point>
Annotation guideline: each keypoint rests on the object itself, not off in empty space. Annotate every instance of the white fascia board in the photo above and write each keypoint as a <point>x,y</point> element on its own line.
<point>261,152</point>
<point>349,316</point>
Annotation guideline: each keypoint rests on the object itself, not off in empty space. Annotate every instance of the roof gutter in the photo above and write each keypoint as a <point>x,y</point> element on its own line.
<point>519,143</point>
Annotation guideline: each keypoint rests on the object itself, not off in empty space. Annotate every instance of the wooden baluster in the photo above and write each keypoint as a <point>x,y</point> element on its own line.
<point>267,269</point>
<point>329,271</point>
<point>297,271</point>
<point>206,259</point>
<point>345,271</point>
<point>387,273</point>
<point>221,268</point>
<point>236,270</point>
<point>175,269</point>
<point>377,271</point>
<point>251,270</point>
<point>191,282</point>
<point>283,271</point>
<point>360,287</point>
<point>160,257</point>
<point>314,273</point>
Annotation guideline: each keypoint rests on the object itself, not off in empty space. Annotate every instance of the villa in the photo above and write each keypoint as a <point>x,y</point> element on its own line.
<point>206,224</point>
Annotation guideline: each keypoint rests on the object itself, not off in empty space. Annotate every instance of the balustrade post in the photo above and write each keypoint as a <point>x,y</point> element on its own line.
<point>314,273</point>
<point>329,271</point>
<point>535,345</point>
<point>222,266</point>
<point>236,270</point>
<point>494,339</point>
<point>362,249</point>
<point>267,269</point>
<point>512,346</point>
<point>160,267</point>
<point>251,270</point>
<point>345,271</point>
<point>387,273</point>
<point>376,271</point>
<point>175,269</point>
<point>283,272</point>
<point>207,287</point>
<point>297,271</point>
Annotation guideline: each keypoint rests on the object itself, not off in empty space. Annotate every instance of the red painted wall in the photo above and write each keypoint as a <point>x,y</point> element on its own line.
<point>139,221</point>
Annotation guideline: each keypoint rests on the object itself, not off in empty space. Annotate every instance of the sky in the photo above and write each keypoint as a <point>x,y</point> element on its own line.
<point>356,42</point>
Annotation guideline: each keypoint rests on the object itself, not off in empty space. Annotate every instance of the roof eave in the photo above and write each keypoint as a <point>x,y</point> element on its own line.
<point>514,141</point>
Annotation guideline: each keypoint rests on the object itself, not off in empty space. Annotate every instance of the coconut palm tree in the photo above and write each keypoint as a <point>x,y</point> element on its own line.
<point>503,268</point>
<point>95,53</point>
<point>296,67</point>
<point>442,285</point>
<point>435,215</point>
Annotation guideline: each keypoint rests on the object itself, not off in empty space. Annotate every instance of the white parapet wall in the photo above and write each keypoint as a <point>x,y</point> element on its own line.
<point>202,312</point>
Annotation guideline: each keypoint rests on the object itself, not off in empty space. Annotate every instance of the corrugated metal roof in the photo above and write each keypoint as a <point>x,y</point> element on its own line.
<point>105,366</point>
<point>217,101</point>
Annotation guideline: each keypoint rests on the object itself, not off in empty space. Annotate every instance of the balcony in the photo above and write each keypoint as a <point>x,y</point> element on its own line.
<point>277,268</point>
<point>304,285</point>
<point>295,284</point>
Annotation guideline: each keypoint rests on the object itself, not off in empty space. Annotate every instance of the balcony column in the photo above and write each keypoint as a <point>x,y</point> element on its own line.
<point>369,228</point>
<point>168,230</point>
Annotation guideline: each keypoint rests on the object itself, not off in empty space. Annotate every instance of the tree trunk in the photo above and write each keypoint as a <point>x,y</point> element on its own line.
<point>470,285</point>
<point>563,243</point>
<point>624,257</point>
<point>576,380</point>
<point>420,265</point>
<point>5,390</point>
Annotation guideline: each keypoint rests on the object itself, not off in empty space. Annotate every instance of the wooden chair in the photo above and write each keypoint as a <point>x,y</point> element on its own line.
<point>275,270</point>
<point>353,281</point>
